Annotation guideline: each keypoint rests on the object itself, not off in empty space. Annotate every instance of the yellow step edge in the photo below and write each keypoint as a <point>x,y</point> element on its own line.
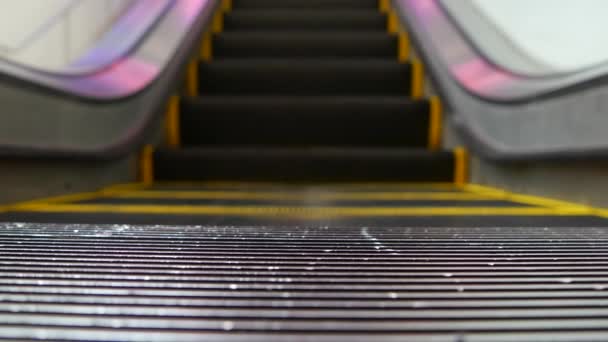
<point>384,6</point>
<point>392,23</point>
<point>217,25</point>
<point>192,78</point>
<point>417,85</point>
<point>207,47</point>
<point>146,165</point>
<point>303,212</point>
<point>461,166</point>
<point>172,122</point>
<point>269,195</point>
<point>435,123</point>
<point>404,47</point>
<point>226,5</point>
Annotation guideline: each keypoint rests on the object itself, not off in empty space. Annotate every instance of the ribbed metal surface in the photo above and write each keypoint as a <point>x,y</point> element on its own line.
<point>125,283</point>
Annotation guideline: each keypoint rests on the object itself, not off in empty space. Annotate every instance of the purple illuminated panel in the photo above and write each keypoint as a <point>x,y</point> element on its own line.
<point>104,75</point>
<point>473,70</point>
<point>132,74</point>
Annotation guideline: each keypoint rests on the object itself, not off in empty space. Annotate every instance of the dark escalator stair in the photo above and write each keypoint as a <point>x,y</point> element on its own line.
<point>336,20</point>
<point>305,91</point>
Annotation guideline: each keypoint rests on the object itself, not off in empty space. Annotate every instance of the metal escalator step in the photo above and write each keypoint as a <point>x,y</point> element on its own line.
<point>484,221</point>
<point>304,121</point>
<point>303,19</point>
<point>306,164</point>
<point>321,44</point>
<point>305,77</point>
<point>306,4</point>
<point>163,283</point>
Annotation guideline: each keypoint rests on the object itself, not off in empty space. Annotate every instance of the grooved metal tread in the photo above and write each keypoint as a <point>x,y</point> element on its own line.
<point>163,283</point>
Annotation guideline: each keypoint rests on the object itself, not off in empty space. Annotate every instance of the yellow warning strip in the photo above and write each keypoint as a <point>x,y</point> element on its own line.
<point>302,212</point>
<point>146,165</point>
<point>266,195</point>
<point>529,199</point>
<point>55,200</point>
<point>417,79</point>
<point>172,124</point>
<point>461,166</point>
<point>435,123</point>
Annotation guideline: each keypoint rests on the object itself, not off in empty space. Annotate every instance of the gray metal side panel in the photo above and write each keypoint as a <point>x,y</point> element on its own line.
<point>504,116</point>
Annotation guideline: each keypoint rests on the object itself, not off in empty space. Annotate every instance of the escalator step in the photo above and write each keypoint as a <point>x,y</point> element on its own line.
<point>322,44</point>
<point>312,164</point>
<point>109,283</point>
<point>307,4</point>
<point>305,77</point>
<point>350,20</point>
<point>309,121</point>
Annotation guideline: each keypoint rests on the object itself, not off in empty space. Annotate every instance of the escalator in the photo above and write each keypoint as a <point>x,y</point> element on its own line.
<point>302,193</point>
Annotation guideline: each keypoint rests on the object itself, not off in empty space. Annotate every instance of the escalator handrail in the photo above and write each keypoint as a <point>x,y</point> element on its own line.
<point>115,68</point>
<point>502,116</point>
<point>108,115</point>
<point>475,71</point>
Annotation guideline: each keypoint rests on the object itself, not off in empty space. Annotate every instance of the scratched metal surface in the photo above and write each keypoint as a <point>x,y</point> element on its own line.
<point>163,283</point>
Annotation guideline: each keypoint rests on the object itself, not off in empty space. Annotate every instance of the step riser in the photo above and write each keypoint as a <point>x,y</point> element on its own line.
<point>302,166</point>
<point>321,45</point>
<point>307,4</point>
<point>321,79</point>
<point>297,20</point>
<point>302,122</point>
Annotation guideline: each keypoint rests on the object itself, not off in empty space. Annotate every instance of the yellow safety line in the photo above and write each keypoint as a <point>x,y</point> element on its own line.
<point>192,79</point>
<point>435,123</point>
<point>120,188</point>
<point>417,79</point>
<point>267,195</point>
<point>172,124</point>
<point>303,212</point>
<point>461,166</point>
<point>528,199</point>
<point>146,165</point>
<point>384,5</point>
<point>404,47</point>
<point>55,200</point>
